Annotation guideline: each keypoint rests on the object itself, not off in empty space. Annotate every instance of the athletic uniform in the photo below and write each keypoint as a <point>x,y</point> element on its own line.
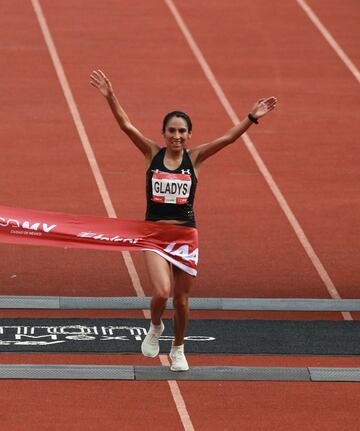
<point>170,193</point>
<point>170,196</point>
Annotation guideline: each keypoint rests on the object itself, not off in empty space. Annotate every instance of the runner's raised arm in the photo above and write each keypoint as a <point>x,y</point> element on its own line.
<point>99,80</point>
<point>202,152</point>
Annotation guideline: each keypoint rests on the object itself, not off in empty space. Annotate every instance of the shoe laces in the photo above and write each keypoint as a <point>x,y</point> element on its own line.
<point>154,337</point>
<point>178,354</point>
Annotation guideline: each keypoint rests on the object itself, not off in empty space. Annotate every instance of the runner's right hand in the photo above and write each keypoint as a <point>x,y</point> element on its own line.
<point>99,80</point>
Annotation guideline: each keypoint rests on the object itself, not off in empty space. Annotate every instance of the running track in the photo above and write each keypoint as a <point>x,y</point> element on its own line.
<point>248,248</point>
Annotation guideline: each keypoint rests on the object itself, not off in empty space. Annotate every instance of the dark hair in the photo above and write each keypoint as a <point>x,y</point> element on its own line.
<point>179,114</point>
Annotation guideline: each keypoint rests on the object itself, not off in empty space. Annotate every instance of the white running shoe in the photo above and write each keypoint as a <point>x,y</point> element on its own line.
<point>178,359</point>
<point>150,346</point>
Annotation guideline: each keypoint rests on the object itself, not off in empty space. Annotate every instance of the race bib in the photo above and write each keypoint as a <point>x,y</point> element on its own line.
<point>170,188</point>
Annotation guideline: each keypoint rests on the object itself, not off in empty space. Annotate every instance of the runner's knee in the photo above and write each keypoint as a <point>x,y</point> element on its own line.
<point>161,293</point>
<point>180,302</point>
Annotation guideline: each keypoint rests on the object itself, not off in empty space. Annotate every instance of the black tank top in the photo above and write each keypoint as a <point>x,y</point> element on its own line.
<point>170,194</point>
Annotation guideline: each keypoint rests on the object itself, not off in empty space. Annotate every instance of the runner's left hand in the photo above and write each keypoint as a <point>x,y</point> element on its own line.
<point>263,106</point>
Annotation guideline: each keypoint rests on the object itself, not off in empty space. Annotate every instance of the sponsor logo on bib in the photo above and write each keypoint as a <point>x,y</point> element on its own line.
<point>171,188</point>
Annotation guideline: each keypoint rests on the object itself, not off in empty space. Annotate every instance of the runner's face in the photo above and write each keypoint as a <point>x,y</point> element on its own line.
<point>176,134</point>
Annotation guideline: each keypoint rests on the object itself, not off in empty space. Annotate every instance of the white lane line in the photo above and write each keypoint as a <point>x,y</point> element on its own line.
<point>257,158</point>
<point>330,39</point>
<point>180,403</point>
<point>83,137</point>
<point>73,109</point>
<point>174,387</point>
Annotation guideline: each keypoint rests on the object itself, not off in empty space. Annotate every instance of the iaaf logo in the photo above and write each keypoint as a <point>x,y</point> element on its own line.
<point>183,252</point>
<point>102,237</point>
<point>37,226</point>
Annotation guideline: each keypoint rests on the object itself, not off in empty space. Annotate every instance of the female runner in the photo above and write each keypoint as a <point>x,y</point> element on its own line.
<point>173,162</point>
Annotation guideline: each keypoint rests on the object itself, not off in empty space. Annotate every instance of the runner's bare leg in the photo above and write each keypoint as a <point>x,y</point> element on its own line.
<point>160,274</point>
<point>182,286</point>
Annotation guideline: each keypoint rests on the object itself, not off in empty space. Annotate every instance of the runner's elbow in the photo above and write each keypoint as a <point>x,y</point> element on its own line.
<point>125,126</point>
<point>229,138</point>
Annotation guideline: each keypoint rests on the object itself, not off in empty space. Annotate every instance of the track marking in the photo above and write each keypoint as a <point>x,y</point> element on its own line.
<point>180,403</point>
<point>257,158</point>
<point>174,387</point>
<point>84,138</point>
<point>74,110</point>
<point>330,39</point>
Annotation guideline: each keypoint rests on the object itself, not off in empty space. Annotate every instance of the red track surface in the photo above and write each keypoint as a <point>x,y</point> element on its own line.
<point>248,249</point>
